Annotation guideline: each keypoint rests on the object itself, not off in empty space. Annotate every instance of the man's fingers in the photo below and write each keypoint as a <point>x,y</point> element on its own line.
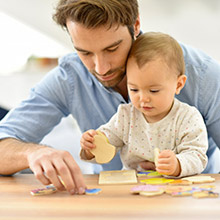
<point>39,174</point>
<point>51,172</point>
<point>76,175</point>
<point>65,178</point>
<point>48,164</point>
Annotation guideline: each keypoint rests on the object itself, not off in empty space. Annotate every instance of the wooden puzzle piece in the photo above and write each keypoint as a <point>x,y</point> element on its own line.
<point>154,174</point>
<point>146,188</point>
<point>104,151</point>
<point>153,193</point>
<point>118,177</point>
<point>157,181</point>
<point>101,134</point>
<point>43,191</point>
<point>199,179</point>
<point>148,173</point>
<point>205,194</point>
<point>195,191</point>
<point>182,193</point>
<point>143,173</point>
<point>174,189</point>
<point>156,154</point>
<point>180,182</point>
<point>94,191</point>
<point>204,187</point>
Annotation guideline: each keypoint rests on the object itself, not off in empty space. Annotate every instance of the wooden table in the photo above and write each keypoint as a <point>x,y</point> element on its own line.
<point>115,202</point>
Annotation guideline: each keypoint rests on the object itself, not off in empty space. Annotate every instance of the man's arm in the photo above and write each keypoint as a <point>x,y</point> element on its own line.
<point>45,162</point>
<point>13,156</point>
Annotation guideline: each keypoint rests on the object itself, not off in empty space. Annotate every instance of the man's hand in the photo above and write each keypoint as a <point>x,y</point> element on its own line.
<point>48,164</point>
<point>168,163</point>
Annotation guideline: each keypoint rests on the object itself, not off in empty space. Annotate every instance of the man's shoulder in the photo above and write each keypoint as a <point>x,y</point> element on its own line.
<point>198,59</point>
<point>202,71</point>
<point>72,66</point>
<point>194,56</point>
<point>69,58</point>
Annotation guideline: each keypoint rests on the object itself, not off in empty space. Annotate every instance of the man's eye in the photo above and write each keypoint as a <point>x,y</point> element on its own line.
<point>85,53</point>
<point>112,49</point>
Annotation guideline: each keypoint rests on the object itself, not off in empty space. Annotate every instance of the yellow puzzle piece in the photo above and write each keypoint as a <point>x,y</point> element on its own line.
<point>104,151</point>
<point>157,181</point>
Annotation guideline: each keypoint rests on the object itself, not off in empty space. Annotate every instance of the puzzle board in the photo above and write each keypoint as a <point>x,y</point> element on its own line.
<point>118,177</point>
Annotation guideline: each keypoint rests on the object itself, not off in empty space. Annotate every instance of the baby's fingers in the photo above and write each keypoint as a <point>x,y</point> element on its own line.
<point>89,135</point>
<point>86,145</point>
<point>165,154</point>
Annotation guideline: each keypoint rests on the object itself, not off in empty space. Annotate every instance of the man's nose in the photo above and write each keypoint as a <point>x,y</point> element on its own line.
<point>102,66</point>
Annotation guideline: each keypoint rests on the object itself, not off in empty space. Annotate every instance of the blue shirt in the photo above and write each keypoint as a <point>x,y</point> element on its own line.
<point>71,89</point>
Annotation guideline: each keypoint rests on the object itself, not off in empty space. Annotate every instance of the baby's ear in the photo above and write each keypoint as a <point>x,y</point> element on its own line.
<point>180,83</point>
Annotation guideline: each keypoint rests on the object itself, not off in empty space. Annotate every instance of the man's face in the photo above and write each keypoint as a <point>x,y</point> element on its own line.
<point>103,51</point>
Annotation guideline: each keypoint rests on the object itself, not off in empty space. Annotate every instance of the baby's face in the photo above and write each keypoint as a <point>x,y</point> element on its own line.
<point>152,88</point>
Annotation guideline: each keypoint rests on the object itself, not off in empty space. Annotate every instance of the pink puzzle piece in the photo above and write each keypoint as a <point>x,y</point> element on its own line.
<point>146,188</point>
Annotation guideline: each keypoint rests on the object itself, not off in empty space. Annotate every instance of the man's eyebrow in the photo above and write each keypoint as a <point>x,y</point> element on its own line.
<point>80,50</point>
<point>106,48</point>
<point>114,44</point>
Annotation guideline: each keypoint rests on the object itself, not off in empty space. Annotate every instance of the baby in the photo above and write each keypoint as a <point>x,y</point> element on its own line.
<point>155,118</point>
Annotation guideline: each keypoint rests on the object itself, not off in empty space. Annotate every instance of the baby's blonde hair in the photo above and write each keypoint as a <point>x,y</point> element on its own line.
<point>151,45</point>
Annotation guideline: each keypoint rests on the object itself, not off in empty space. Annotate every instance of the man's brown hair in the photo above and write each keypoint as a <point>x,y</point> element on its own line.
<point>95,13</point>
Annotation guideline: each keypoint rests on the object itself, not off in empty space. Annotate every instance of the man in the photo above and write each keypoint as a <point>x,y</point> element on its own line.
<point>90,85</point>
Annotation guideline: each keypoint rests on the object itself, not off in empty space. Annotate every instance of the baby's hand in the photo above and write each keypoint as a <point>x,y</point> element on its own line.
<point>86,142</point>
<point>168,163</point>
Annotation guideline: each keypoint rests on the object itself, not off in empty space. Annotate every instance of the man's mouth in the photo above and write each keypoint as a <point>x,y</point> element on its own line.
<point>107,77</point>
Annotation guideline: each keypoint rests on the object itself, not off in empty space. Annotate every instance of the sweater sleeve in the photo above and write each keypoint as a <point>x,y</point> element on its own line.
<point>192,144</point>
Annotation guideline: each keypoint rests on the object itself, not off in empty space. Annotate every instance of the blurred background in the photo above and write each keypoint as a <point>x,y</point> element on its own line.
<point>31,43</point>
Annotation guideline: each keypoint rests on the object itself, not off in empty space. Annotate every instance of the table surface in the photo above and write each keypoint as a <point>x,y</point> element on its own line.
<point>114,202</point>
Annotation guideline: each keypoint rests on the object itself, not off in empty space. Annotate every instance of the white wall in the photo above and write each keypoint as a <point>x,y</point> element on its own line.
<point>37,14</point>
<point>193,22</point>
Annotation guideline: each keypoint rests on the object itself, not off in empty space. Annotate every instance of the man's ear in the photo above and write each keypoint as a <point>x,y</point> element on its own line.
<point>180,83</point>
<point>137,27</point>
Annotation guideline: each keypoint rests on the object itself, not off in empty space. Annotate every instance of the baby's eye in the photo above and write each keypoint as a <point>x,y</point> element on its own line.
<point>154,90</point>
<point>133,90</point>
